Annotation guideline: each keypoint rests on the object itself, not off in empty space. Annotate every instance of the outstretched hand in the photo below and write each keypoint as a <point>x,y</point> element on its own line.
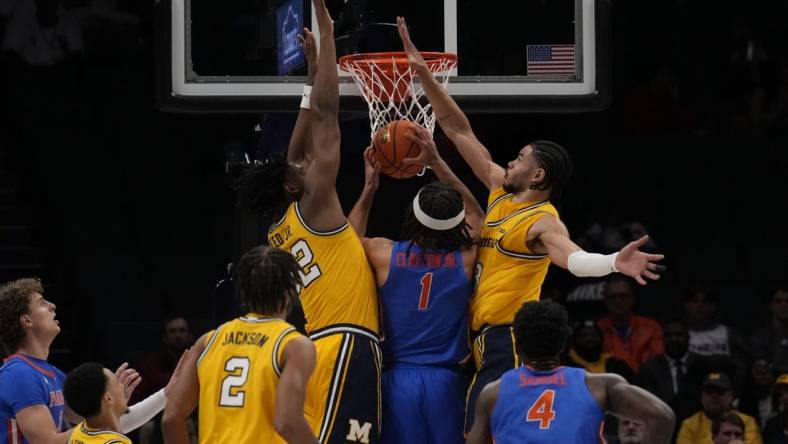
<point>128,378</point>
<point>371,169</point>
<point>429,152</point>
<point>308,43</point>
<point>637,264</point>
<point>414,57</point>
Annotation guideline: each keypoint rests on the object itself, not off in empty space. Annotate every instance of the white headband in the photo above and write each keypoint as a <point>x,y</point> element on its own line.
<point>436,224</point>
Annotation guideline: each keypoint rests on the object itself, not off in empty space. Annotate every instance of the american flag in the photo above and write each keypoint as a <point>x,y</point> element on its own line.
<point>550,60</point>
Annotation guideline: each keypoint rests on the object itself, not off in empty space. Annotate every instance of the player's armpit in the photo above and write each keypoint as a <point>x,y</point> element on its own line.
<point>35,423</point>
<point>299,362</point>
<point>480,433</point>
<point>378,251</point>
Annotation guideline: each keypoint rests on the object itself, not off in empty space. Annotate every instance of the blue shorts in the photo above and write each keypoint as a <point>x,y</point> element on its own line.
<point>422,405</point>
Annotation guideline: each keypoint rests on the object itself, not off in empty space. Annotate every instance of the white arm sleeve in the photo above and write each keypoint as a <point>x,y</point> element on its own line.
<point>584,264</point>
<point>143,411</point>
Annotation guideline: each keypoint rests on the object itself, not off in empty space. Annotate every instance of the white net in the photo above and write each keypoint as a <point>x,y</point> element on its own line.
<point>386,83</point>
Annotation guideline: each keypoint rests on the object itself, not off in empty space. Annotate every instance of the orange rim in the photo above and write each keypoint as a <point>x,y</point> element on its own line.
<point>386,60</point>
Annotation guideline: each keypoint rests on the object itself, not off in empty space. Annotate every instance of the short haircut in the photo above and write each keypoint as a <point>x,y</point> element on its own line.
<point>541,329</point>
<point>726,418</point>
<point>266,279</point>
<point>14,302</point>
<point>84,388</point>
<point>616,278</point>
<point>438,201</point>
<point>557,164</point>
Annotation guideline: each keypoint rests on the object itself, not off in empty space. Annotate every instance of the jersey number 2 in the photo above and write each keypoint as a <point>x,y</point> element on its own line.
<point>542,410</point>
<point>231,395</point>
<point>303,254</point>
<point>426,286</point>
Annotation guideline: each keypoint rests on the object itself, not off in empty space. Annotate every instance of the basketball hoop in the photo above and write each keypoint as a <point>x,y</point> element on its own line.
<point>386,83</point>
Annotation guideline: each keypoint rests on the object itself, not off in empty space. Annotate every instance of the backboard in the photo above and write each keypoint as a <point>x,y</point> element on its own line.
<point>529,56</point>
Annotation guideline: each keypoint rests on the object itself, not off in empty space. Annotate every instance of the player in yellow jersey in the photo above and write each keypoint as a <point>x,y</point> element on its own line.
<point>338,295</point>
<point>521,235</point>
<point>250,374</point>
<point>94,393</point>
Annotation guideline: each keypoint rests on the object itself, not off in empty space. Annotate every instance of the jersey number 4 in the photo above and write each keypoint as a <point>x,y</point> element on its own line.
<point>426,286</point>
<point>231,394</point>
<point>542,410</point>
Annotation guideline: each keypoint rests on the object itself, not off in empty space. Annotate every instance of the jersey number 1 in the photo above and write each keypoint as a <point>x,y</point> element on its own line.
<point>426,286</point>
<point>542,410</point>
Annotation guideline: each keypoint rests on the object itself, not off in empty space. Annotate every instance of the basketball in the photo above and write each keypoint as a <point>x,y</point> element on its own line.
<point>391,146</point>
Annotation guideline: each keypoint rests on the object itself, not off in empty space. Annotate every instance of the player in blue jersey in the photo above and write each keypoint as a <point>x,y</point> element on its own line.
<point>32,407</point>
<point>424,285</point>
<point>543,402</point>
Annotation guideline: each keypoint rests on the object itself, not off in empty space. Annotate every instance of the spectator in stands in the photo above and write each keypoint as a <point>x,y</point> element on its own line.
<point>708,337</point>
<point>156,369</point>
<point>585,351</point>
<point>668,374</point>
<point>717,399</point>
<point>771,341</point>
<point>675,375</point>
<point>728,429</point>
<point>630,432</point>
<point>632,338</point>
<point>776,430</point>
<point>757,398</point>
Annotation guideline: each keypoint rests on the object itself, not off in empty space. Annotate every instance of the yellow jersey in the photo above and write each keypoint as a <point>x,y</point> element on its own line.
<point>507,273</point>
<point>238,373</point>
<point>339,287</point>
<point>82,434</point>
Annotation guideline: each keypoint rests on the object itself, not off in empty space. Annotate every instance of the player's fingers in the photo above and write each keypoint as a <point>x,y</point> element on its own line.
<point>656,268</point>
<point>122,367</point>
<point>640,280</point>
<point>412,160</point>
<point>655,257</point>
<point>650,275</point>
<point>640,242</point>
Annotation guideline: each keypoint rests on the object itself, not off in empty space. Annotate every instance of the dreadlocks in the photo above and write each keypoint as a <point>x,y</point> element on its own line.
<point>266,280</point>
<point>557,164</point>
<point>439,201</point>
<point>260,188</point>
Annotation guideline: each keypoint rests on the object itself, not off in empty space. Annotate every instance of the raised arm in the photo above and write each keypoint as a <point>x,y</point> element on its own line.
<point>622,399</point>
<point>301,141</point>
<point>320,204</point>
<point>182,397</point>
<point>474,215</point>
<point>451,118</point>
<point>552,237</point>
<point>289,421</point>
<point>480,433</point>
<point>359,215</point>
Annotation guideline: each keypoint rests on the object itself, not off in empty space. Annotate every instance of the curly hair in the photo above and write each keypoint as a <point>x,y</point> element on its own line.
<point>84,388</point>
<point>439,201</point>
<point>266,279</point>
<point>260,188</point>
<point>557,165</point>
<point>541,329</point>
<point>14,302</point>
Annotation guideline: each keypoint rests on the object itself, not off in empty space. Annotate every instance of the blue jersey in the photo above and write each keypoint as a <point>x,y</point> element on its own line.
<point>27,381</point>
<point>546,407</point>
<point>425,307</point>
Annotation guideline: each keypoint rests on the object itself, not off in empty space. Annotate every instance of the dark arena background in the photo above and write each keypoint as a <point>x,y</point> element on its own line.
<point>117,194</point>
